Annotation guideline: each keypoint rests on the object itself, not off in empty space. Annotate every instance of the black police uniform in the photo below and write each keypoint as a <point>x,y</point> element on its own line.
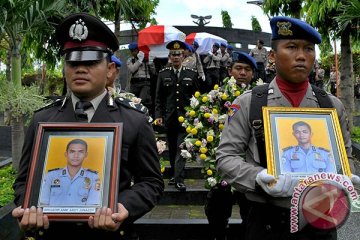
<point>172,96</point>
<point>83,37</point>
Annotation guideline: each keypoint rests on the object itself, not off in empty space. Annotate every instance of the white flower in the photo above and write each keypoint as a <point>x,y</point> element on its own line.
<point>194,102</point>
<point>222,118</point>
<point>210,133</point>
<point>185,154</point>
<point>259,82</point>
<point>199,125</point>
<point>136,100</point>
<point>161,146</point>
<point>211,181</point>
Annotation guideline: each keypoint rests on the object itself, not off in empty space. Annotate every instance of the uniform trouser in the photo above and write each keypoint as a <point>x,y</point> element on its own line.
<point>223,74</point>
<point>268,222</point>
<point>141,89</point>
<point>260,72</point>
<point>212,78</point>
<point>218,209</point>
<point>176,136</point>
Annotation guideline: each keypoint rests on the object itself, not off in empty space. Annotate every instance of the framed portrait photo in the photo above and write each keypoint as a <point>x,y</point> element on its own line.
<point>304,141</point>
<point>74,169</point>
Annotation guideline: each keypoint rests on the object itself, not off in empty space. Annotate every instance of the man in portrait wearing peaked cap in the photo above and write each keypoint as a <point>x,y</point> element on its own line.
<point>241,156</point>
<point>175,87</point>
<point>86,46</point>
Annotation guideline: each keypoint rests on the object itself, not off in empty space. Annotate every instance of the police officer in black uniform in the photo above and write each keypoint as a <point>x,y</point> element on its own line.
<point>175,87</point>
<point>87,45</point>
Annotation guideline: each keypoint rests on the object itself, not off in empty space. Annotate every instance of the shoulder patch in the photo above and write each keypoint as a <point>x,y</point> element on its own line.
<point>55,103</point>
<point>232,109</point>
<point>287,148</point>
<point>92,171</point>
<point>51,170</point>
<point>165,69</point>
<point>190,69</point>
<point>324,149</point>
<point>130,104</point>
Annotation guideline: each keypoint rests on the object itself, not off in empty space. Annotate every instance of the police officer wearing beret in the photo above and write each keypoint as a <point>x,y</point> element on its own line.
<point>175,87</point>
<point>306,157</point>
<point>73,184</point>
<point>238,158</point>
<point>212,67</point>
<point>87,45</point>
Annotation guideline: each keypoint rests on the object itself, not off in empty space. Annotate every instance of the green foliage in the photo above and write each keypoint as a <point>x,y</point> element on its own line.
<point>19,100</point>
<point>255,24</point>
<point>355,134</point>
<point>226,19</point>
<point>7,178</point>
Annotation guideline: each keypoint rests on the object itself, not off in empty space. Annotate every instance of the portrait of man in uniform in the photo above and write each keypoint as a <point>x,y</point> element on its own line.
<point>306,157</point>
<point>73,184</point>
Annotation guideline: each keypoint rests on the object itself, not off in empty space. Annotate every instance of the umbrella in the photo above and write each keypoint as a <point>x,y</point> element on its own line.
<point>205,40</point>
<point>152,40</point>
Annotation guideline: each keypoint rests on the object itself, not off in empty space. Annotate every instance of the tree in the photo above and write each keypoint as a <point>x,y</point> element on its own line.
<point>255,24</point>
<point>226,19</point>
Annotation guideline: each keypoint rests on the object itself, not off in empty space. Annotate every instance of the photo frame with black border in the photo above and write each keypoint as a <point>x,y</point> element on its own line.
<point>97,179</point>
<point>283,148</point>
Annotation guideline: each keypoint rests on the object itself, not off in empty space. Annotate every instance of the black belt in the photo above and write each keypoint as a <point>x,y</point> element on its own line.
<point>137,80</point>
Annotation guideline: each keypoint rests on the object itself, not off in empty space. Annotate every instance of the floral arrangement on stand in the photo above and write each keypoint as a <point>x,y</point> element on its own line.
<point>204,120</point>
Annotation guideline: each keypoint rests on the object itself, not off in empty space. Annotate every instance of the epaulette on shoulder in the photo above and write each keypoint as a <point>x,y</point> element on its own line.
<point>165,69</point>
<point>130,104</point>
<point>51,170</point>
<point>55,103</point>
<point>287,148</point>
<point>324,149</point>
<point>190,69</point>
<point>92,171</point>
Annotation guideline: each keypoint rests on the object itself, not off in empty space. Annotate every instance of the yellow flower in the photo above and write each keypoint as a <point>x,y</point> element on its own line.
<point>221,126</point>
<point>194,131</point>
<point>192,113</point>
<point>216,87</point>
<point>181,119</point>
<point>224,96</point>
<point>203,150</point>
<point>202,156</point>
<point>206,115</point>
<point>209,172</point>
<point>162,169</point>
<point>215,111</point>
<point>188,129</point>
<point>210,138</point>
<point>237,93</point>
<point>198,143</point>
<point>204,99</point>
<point>197,94</point>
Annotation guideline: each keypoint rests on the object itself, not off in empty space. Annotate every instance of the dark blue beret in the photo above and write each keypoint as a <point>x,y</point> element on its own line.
<point>244,57</point>
<point>195,44</point>
<point>230,47</point>
<point>223,44</point>
<point>293,28</point>
<point>117,61</point>
<point>133,46</point>
<point>216,45</point>
<point>83,37</point>
<point>176,46</point>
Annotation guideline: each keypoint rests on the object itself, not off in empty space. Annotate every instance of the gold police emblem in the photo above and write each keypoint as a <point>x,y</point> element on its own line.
<point>56,181</point>
<point>317,156</point>
<point>78,31</point>
<point>87,183</point>
<point>294,157</point>
<point>284,28</point>
<point>176,45</point>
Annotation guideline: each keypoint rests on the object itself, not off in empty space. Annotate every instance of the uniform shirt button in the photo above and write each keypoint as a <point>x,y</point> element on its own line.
<point>122,233</point>
<point>177,92</point>
<point>177,85</point>
<point>177,107</point>
<point>268,227</point>
<point>177,99</point>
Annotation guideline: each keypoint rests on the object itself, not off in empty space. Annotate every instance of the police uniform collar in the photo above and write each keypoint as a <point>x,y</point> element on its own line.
<point>95,102</point>
<point>179,70</point>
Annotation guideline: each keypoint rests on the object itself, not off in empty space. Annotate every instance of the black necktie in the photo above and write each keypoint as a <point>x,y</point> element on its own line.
<point>177,74</point>
<point>80,108</point>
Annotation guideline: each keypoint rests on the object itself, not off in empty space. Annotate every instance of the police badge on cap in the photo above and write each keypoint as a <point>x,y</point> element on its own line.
<point>176,47</point>
<point>83,37</point>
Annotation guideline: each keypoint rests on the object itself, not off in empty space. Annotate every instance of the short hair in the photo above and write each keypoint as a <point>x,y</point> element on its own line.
<point>77,141</point>
<point>261,41</point>
<point>299,124</point>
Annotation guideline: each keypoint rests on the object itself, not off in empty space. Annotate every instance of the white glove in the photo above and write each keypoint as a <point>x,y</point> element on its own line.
<point>140,56</point>
<point>281,187</point>
<point>203,78</point>
<point>355,179</point>
<point>210,53</point>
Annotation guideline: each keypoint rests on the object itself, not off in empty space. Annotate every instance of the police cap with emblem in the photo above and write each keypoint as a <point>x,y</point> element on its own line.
<point>245,58</point>
<point>176,47</point>
<point>83,37</point>
<point>292,28</point>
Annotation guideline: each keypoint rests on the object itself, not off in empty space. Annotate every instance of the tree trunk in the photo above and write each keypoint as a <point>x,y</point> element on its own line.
<point>17,138</point>
<point>346,86</point>
<point>16,66</point>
